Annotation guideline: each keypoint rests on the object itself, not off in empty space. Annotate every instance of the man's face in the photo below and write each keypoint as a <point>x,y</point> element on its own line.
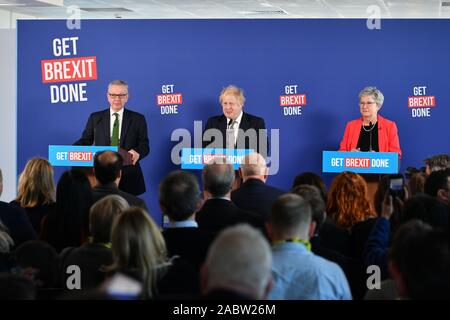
<point>231,106</point>
<point>117,97</point>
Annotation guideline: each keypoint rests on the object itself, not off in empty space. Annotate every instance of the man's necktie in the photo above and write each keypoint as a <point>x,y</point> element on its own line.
<point>231,138</point>
<point>115,132</point>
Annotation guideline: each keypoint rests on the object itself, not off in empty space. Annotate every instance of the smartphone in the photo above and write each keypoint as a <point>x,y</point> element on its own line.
<point>396,185</point>
<point>123,287</point>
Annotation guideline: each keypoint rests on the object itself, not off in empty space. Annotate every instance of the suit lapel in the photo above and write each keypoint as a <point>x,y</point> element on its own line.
<point>126,121</point>
<point>223,129</point>
<point>106,123</point>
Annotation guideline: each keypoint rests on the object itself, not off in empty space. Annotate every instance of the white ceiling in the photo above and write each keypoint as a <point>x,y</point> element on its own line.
<point>251,9</point>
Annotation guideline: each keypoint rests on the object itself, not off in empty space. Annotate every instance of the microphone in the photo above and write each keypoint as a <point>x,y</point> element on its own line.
<point>370,137</point>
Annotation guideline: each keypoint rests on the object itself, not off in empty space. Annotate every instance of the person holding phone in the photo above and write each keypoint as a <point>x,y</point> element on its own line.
<point>371,132</point>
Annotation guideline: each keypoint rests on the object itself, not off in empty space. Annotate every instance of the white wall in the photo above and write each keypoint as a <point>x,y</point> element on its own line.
<point>8,119</point>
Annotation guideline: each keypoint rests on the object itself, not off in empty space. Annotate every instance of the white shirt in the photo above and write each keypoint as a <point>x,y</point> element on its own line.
<point>236,126</point>
<point>112,118</point>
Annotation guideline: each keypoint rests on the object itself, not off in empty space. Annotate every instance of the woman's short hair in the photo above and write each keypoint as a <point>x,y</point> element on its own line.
<point>36,184</point>
<point>374,93</point>
<point>235,91</point>
<point>102,215</point>
<point>348,201</point>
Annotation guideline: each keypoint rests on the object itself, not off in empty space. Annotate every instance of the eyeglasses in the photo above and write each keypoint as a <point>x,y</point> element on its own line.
<point>119,96</point>
<point>366,103</point>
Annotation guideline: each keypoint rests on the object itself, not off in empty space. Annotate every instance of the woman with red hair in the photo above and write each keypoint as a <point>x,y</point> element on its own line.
<point>348,201</point>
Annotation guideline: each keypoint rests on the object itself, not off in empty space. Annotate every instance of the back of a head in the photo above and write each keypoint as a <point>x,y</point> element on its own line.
<point>416,183</point>
<point>179,195</point>
<point>107,166</point>
<point>138,247</point>
<point>425,208</point>
<point>290,215</point>
<point>73,201</point>
<point>102,215</point>
<point>239,259</point>
<point>36,185</point>
<point>437,180</point>
<point>15,287</point>
<point>6,242</point>
<point>422,258</point>
<point>218,177</point>
<point>312,195</point>
<point>348,201</point>
<point>1,182</point>
<point>42,257</point>
<point>310,178</point>
<point>438,162</point>
<point>253,164</point>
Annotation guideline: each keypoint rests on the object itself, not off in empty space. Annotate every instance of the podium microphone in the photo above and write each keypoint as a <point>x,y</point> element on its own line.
<point>370,137</point>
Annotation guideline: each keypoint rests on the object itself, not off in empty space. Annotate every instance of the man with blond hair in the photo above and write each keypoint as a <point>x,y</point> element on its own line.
<point>238,129</point>
<point>254,194</point>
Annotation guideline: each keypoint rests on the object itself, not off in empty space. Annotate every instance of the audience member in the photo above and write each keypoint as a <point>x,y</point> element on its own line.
<point>420,262</point>
<point>436,163</point>
<point>254,194</point>
<point>311,179</point>
<point>91,256</point>
<point>237,266</point>
<point>438,185</point>
<point>16,287</point>
<point>108,167</point>
<point>298,273</point>
<point>15,220</point>
<point>218,212</point>
<point>36,191</point>
<point>179,199</point>
<point>139,250</point>
<point>68,225</point>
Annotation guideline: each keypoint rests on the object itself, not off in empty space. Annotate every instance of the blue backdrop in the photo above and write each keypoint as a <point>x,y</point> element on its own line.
<point>330,61</point>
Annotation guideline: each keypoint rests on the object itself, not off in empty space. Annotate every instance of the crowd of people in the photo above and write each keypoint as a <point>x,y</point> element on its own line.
<point>74,241</point>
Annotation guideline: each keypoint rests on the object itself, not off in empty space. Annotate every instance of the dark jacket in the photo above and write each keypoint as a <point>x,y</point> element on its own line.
<point>133,136</point>
<point>16,220</point>
<point>101,191</point>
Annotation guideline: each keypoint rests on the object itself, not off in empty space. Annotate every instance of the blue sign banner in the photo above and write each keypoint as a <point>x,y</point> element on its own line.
<point>196,158</point>
<point>360,162</point>
<point>75,156</point>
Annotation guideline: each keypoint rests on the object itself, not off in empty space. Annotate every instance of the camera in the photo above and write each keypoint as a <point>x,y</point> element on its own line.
<point>396,186</point>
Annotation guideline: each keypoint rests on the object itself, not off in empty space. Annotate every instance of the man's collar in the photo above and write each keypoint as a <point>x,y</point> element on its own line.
<point>183,224</point>
<point>238,119</point>
<point>120,112</point>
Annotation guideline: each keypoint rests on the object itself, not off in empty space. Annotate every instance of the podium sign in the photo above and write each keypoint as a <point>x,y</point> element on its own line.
<point>196,158</point>
<point>75,156</point>
<point>360,162</point>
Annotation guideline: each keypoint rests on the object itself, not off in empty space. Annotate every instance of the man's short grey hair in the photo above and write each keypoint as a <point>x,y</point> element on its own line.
<point>240,257</point>
<point>253,164</point>
<point>218,177</point>
<point>6,242</point>
<point>118,83</point>
<point>438,162</point>
<point>374,93</point>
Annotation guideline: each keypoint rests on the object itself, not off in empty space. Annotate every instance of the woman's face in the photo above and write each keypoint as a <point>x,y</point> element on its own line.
<point>368,107</point>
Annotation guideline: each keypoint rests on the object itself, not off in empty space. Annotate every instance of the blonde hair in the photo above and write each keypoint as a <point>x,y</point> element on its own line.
<point>138,246</point>
<point>36,185</point>
<point>235,91</point>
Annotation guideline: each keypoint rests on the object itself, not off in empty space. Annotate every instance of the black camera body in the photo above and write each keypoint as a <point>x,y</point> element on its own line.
<point>397,186</point>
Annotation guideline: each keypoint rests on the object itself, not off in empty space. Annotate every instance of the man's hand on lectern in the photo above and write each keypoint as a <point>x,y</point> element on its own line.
<point>135,156</point>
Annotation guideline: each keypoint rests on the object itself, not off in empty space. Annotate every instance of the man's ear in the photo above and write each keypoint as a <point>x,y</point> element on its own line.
<point>269,230</point>
<point>398,280</point>
<point>266,174</point>
<point>312,229</point>
<point>240,174</point>
<point>442,195</point>
<point>203,279</point>
<point>267,288</point>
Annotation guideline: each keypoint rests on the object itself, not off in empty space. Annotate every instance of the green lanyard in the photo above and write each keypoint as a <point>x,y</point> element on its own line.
<point>306,243</point>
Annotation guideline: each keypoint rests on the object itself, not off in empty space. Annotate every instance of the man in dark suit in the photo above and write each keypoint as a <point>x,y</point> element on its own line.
<point>237,129</point>
<point>16,220</point>
<point>254,194</point>
<point>179,199</point>
<point>218,212</point>
<point>108,172</point>
<point>120,127</point>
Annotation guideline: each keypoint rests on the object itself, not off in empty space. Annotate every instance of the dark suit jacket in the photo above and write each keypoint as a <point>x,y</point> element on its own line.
<point>248,121</point>
<point>16,220</point>
<point>101,191</point>
<point>256,196</point>
<point>190,243</point>
<point>133,136</point>
<point>218,214</point>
